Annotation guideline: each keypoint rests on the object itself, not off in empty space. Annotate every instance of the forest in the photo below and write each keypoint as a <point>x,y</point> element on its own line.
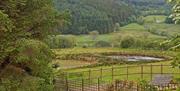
<point>91,15</point>
<point>89,45</point>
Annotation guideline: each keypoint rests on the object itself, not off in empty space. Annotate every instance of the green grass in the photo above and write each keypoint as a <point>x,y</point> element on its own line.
<point>153,18</point>
<point>171,29</point>
<point>133,27</point>
<point>120,73</point>
<point>79,73</point>
<point>135,30</point>
<point>66,64</point>
<point>60,52</point>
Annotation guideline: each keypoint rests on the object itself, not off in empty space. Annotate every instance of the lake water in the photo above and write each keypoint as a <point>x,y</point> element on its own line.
<point>137,58</point>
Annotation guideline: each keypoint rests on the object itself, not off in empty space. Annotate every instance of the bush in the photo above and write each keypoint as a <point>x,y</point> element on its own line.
<point>85,45</point>
<point>67,42</point>
<point>169,20</point>
<point>151,45</point>
<point>102,44</point>
<point>60,41</point>
<point>94,34</point>
<point>140,20</point>
<point>29,69</point>
<point>127,42</point>
<point>116,40</point>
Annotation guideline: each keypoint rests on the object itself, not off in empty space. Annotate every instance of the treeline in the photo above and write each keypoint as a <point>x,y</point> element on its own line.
<point>150,7</point>
<point>118,41</point>
<point>24,58</point>
<point>99,15</point>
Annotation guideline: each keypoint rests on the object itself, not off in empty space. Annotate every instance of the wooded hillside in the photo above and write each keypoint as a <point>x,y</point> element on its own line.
<point>103,15</point>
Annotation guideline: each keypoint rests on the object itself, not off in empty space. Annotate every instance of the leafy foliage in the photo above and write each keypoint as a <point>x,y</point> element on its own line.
<point>127,42</point>
<point>61,41</point>
<point>24,60</point>
<point>150,7</point>
<point>90,15</point>
<point>176,11</point>
<point>30,63</point>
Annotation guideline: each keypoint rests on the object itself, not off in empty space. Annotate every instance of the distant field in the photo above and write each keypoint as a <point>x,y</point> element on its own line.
<point>60,52</point>
<point>136,30</point>
<point>155,18</point>
<point>68,64</point>
<point>79,63</point>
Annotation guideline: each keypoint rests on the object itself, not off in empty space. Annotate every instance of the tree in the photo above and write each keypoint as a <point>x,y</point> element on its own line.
<point>176,17</point>
<point>23,57</point>
<point>127,42</point>
<point>90,15</point>
<point>94,34</point>
<point>59,41</point>
<point>117,27</point>
<point>176,11</point>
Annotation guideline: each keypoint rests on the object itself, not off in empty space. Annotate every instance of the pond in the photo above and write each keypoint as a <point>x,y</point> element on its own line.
<point>136,58</point>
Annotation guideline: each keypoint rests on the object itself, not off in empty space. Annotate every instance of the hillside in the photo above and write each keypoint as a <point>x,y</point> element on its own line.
<point>102,15</point>
<point>150,7</point>
<point>150,31</point>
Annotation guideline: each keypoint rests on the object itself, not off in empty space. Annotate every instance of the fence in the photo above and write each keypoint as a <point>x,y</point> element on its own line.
<point>100,79</point>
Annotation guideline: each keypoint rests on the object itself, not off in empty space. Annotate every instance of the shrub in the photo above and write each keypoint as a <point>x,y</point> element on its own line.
<point>94,34</point>
<point>116,40</point>
<point>85,45</point>
<point>67,42</point>
<point>169,20</point>
<point>102,44</point>
<point>29,69</point>
<point>151,45</point>
<point>127,42</point>
<point>140,20</point>
<point>60,41</point>
<point>145,86</point>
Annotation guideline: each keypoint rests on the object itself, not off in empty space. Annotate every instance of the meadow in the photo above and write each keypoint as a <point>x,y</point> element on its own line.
<point>88,63</point>
<point>149,30</point>
<point>82,67</point>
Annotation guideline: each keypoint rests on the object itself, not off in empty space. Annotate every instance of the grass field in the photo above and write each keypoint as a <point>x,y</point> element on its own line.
<point>154,18</point>
<point>60,52</point>
<point>136,30</point>
<point>120,72</point>
<point>83,72</point>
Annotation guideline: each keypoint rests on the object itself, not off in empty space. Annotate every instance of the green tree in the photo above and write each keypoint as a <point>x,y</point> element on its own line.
<point>127,42</point>
<point>176,17</point>
<point>94,34</point>
<point>176,11</point>
<point>116,27</point>
<point>23,24</point>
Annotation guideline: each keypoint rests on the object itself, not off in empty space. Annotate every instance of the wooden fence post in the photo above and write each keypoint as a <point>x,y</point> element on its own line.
<point>82,85</point>
<point>67,85</point>
<point>116,86</point>
<point>151,71</point>
<point>101,73</point>
<point>89,74</point>
<point>142,72</point>
<point>127,72</point>
<point>137,87</point>
<point>98,84</point>
<point>89,77</point>
<point>112,73</point>
<point>161,68</point>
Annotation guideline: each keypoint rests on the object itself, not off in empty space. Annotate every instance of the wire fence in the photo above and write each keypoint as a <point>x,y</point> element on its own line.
<point>122,78</point>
